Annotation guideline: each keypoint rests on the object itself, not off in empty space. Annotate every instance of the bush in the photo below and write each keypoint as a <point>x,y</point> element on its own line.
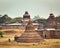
<point>1,33</point>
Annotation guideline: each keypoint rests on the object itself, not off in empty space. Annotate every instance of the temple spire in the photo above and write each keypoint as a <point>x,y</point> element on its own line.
<point>26,17</point>
<point>51,21</point>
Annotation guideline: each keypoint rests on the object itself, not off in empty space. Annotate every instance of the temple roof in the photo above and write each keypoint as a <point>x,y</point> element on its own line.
<point>50,29</point>
<point>15,24</point>
<point>51,16</point>
<point>26,14</point>
<point>20,24</point>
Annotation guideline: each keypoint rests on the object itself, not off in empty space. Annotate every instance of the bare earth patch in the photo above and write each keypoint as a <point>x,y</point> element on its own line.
<point>48,43</point>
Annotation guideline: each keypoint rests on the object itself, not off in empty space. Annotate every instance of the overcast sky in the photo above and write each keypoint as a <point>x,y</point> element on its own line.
<point>43,8</point>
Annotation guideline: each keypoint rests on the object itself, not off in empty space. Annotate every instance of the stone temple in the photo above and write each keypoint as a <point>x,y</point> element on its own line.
<point>29,35</point>
<point>51,21</point>
<point>34,31</point>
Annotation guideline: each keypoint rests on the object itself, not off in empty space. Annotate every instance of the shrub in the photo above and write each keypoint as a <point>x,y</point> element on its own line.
<point>1,33</point>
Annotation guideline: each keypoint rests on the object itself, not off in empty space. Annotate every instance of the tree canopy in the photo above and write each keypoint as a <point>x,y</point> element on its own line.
<point>6,19</point>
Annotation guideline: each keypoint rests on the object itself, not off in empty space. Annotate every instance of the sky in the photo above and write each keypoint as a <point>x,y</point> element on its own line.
<point>16,8</point>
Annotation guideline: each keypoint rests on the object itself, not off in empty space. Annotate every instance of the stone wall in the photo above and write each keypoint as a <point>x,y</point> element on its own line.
<point>22,27</point>
<point>50,34</point>
<point>12,27</point>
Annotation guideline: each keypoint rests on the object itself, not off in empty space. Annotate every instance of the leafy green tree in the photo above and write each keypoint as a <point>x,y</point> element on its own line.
<point>5,19</point>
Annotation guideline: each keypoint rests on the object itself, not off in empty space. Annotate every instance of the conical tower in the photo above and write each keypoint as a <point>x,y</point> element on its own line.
<point>29,26</point>
<point>30,35</point>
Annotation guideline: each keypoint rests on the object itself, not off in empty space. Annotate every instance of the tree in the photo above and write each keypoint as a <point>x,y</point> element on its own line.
<point>18,19</point>
<point>36,17</point>
<point>58,18</point>
<point>5,19</point>
<point>41,20</point>
<point>11,21</point>
<point>1,33</point>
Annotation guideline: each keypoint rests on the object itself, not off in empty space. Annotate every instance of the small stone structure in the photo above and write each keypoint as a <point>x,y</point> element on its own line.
<point>50,33</point>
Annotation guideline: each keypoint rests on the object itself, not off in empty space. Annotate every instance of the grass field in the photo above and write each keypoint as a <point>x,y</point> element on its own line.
<point>47,43</point>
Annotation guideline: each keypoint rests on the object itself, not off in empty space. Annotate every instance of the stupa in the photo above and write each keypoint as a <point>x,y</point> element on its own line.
<point>29,35</point>
<point>51,21</point>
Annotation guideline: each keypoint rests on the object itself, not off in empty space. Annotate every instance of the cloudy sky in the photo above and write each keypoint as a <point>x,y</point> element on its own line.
<point>43,8</point>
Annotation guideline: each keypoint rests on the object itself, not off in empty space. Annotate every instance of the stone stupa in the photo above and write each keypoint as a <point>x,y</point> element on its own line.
<point>51,21</point>
<point>29,35</point>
